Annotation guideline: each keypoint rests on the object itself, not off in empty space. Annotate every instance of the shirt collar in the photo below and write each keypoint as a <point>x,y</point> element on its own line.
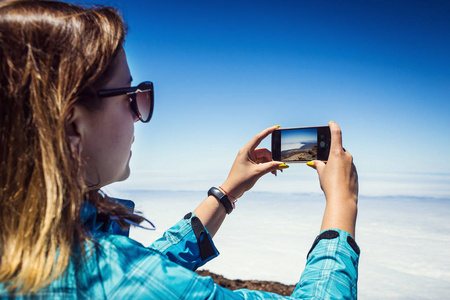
<point>95,221</point>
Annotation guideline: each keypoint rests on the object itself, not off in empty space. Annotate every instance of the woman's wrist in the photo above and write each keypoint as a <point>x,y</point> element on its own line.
<point>231,189</point>
<point>230,196</point>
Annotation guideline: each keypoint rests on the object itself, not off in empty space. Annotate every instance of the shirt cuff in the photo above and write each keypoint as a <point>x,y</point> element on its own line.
<point>331,270</point>
<point>343,237</point>
<point>187,243</point>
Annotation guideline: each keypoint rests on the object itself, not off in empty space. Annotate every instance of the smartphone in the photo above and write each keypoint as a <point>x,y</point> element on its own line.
<point>301,144</point>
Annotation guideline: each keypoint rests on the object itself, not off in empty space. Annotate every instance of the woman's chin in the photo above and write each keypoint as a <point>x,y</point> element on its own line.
<point>125,174</point>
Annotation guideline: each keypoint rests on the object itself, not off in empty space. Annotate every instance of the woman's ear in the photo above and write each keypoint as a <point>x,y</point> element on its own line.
<point>72,126</point>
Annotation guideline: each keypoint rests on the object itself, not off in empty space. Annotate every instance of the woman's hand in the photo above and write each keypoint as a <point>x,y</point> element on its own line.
<point>339,181</point>
<point>250,164</point>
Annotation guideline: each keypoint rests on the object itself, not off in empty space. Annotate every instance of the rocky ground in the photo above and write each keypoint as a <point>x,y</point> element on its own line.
<point>268,286</point>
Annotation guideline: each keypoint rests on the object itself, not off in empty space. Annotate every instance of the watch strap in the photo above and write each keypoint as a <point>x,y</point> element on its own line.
<point>222,197</point>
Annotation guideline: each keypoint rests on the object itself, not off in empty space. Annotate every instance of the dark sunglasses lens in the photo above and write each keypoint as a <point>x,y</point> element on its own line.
<point>144,105</point>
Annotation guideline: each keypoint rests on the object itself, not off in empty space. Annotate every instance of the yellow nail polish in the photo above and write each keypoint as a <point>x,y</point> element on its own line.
<point>310,163</point>
<point>277,126</point>
<point>331,122</point>
<point>283,166</point>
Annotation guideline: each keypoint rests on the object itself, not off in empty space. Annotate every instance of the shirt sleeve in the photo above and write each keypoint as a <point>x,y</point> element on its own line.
<point>331,270</point>
<point>124,269</point>
<point>133,272</point>
<point>187,243</point>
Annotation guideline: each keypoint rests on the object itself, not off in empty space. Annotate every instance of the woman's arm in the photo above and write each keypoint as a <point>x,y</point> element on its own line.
<point>249,165</point>
<point>339,182</point>
<point>331,271</point>
<point>212,213</point>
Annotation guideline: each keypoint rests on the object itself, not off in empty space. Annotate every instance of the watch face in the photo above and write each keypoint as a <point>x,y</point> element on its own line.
<point>216,193</point>
<point>222,198</point>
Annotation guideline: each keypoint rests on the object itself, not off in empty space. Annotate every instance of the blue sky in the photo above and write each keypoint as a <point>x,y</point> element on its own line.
<point>224,70</point>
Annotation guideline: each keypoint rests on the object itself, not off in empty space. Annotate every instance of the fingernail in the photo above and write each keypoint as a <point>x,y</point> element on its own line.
<point>282,166</point>
<point>310,163</point>
<point>277,126</point>
<point>331,122</point>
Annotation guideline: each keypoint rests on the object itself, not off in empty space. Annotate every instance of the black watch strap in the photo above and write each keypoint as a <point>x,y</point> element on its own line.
<point>223,198</point>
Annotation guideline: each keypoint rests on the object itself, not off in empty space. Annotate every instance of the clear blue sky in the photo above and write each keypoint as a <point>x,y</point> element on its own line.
<point>224,70</point>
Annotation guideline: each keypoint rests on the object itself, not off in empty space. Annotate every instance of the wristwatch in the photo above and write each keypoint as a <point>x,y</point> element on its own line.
<point>223,198</point>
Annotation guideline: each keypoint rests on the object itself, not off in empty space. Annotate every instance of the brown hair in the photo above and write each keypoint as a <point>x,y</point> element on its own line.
<point>52,55</point>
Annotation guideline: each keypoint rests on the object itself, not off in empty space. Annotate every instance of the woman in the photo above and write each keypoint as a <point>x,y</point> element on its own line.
<point>67,124</point>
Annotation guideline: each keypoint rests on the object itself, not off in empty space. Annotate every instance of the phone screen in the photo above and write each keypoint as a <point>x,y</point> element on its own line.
<point>301,144</point>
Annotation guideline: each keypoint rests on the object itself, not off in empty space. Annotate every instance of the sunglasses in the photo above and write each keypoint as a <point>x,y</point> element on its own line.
<point>142,99</point>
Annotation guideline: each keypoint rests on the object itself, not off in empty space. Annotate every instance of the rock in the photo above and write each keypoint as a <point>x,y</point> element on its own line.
<point>268,286</point>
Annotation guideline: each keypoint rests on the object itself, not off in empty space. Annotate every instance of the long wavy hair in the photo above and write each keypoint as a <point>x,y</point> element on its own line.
<point>52,55</point>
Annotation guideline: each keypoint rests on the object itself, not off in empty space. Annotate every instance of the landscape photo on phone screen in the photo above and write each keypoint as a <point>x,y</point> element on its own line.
<point>299,145</point>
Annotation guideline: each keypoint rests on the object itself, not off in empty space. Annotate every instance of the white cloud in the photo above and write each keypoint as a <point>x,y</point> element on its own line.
<point>404,240</point>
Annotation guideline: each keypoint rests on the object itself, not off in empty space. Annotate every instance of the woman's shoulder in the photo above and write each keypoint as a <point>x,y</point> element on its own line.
<point>117,248</point>
<point>108,263</point>
<point>117,266</point>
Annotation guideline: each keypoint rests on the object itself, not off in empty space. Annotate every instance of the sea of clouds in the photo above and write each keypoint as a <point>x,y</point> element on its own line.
<point>404,240</point>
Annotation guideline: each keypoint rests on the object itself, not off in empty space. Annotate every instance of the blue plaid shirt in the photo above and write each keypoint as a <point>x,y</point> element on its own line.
<point>120,268</point>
